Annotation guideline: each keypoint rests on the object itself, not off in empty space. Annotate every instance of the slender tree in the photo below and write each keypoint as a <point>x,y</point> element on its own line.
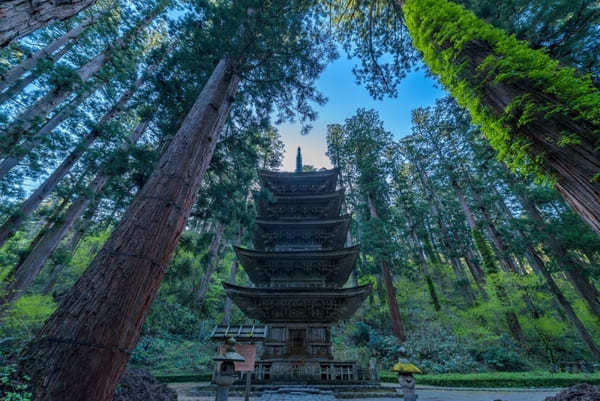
<point>39,111</point>
<point>9,228</point>
<point>19,18</point>
<point>10,77</point>
<point>41,250</point>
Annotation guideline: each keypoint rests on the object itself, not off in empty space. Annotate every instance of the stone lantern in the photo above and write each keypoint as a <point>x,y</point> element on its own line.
<point>406,379</point>
<point>225,374</point>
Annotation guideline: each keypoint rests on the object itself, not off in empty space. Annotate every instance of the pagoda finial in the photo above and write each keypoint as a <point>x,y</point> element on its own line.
<point>299,161</point>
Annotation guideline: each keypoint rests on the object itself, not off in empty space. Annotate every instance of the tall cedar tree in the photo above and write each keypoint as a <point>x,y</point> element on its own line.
<point>538,114</point>
<point>82,350</point>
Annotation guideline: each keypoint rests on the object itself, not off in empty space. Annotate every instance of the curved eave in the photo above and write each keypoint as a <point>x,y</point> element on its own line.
<point>333,267</point>
<point>320,206</point>
<point>292,175</point>
<point>282,183</point>
<point>307,305</point>
<point>329,234</point>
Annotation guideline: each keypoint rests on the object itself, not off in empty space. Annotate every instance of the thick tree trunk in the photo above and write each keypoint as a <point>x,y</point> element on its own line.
<point>390,291</point>
<point>22,83</point>
<point>19,18</point>
<point>41,251</point>
<point>10,77</point>
<point>9,228</point>
<point>39,111</point>
<point>211,263</point>
<point>232,275</point>
<point>82,350</point>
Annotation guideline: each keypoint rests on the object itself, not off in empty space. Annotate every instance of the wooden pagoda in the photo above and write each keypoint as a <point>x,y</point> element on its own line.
<point>299,268</point>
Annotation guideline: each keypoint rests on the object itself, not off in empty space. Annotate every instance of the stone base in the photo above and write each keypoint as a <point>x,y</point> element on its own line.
<point>339,391</point>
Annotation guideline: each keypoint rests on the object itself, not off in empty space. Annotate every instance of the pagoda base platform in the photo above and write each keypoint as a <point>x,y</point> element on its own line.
<point>311,371</point>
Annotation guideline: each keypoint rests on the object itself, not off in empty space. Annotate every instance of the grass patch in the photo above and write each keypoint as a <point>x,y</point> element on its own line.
<point>501,379</point>
<point>184,378</point>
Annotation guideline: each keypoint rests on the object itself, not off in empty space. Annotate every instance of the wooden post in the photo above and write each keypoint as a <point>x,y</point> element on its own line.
<point>248,380</point>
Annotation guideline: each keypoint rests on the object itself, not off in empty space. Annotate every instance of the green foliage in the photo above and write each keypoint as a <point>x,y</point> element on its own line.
<point>485,250</point>
<point>444,32</point>
<point>12,386</point>
<point>505,379</point>
<point>27,316</point>
<point>182,378</point>
<point>168,355</point>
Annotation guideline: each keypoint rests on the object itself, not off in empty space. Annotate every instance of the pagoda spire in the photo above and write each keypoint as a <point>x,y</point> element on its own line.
<point>299,161</point>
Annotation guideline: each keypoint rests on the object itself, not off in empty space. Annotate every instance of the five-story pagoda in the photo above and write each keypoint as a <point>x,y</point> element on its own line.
<point>299,268</point>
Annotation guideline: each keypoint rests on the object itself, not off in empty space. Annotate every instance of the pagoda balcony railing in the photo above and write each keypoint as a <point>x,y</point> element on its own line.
<point>322,372</point>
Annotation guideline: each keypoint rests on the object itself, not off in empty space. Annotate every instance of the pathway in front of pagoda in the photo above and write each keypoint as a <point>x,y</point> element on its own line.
<point>425,394</point>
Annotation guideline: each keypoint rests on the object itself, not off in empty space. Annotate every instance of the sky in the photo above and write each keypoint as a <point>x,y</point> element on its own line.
<point>337,83</point>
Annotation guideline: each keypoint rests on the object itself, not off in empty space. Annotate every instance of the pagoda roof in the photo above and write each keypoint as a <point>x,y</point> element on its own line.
<point>332,267</point>
<point>275,235</point>
<point>314,182</point>
<point>306,305</point>
<point>298,207</point>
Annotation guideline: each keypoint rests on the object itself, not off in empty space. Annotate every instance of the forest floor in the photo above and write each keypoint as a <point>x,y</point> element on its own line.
<point>426,393</point>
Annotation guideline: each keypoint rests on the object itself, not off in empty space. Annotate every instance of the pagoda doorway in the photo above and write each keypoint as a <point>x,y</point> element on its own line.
<point>297,341</point>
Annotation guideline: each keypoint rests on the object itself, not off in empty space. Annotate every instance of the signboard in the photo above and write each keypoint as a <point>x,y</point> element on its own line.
<point>248,351</point>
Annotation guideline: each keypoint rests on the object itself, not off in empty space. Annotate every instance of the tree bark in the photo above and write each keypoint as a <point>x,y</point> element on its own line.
<point>10,227</point>
<point>19,18</point>
<point>10,77</point>
<point>41,251</point>
<point>232,275</point>
<point>390,291</point>
<point>83,349</point>
<point>211,263</point>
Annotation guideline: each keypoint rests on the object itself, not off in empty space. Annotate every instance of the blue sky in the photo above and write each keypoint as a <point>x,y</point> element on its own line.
<point>345,96</point>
